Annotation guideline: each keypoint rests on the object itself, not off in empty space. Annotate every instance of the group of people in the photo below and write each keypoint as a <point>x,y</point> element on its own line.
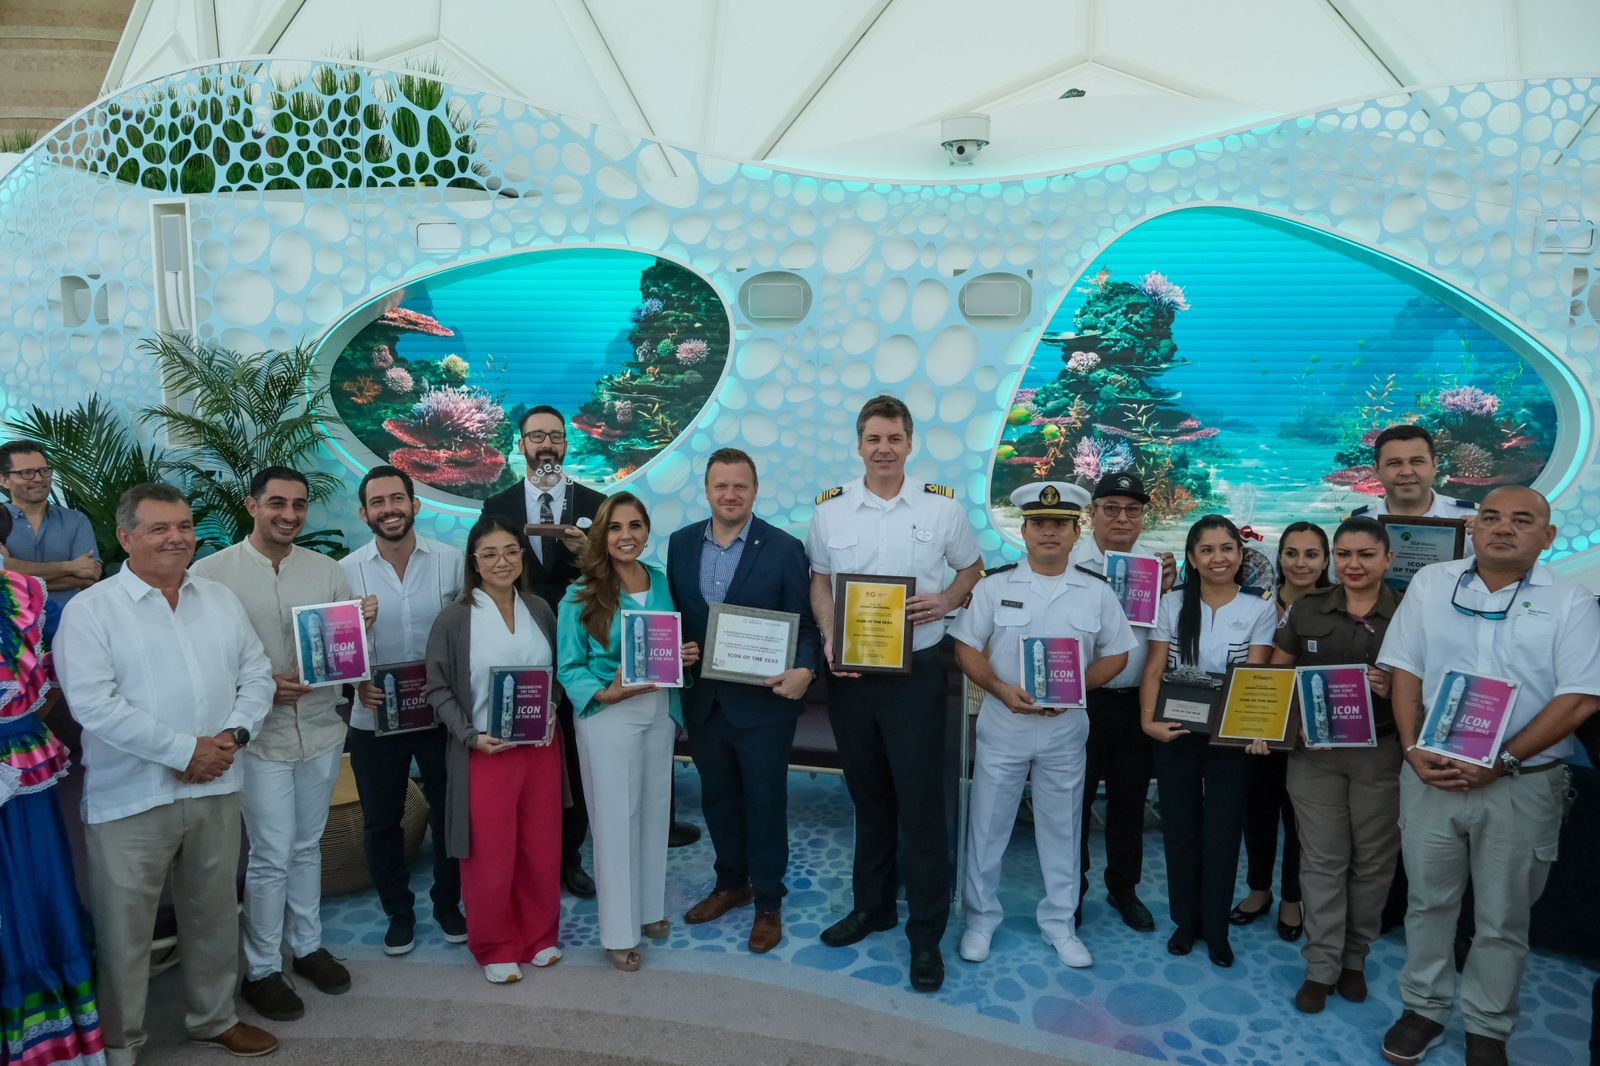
<point>178,672</point>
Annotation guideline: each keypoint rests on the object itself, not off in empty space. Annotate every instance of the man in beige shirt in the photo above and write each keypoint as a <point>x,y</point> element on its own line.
<point>290,769</point>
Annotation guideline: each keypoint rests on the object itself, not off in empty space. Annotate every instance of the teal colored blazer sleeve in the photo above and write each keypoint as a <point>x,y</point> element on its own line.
<point>583,667</point>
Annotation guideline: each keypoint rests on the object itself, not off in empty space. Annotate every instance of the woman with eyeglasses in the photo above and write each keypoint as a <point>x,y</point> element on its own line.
<point>1205,624</point>
<point>504,799</point>
<point>1302,568</point>
<point>625,732</point>
<point>1347,799</point>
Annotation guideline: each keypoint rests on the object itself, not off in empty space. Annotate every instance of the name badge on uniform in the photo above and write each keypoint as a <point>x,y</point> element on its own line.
<point>924,535</point>
<point>1311,645</point>
<point>1011,603</point>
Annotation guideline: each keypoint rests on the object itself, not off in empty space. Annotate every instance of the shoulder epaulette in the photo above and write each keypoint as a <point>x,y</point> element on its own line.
<point>999,569</point>
<point>1359,511</point>
<point>1258,593</point>
<point>1080,568</point>
<point>939,490</point>
<point>1468,504</point>
<point>827,494</point>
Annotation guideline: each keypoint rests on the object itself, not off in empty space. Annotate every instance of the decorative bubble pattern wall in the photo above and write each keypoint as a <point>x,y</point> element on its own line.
<point>305,185</point>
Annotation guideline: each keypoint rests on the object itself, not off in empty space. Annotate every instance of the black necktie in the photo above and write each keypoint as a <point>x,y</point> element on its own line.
<point>546,517</point>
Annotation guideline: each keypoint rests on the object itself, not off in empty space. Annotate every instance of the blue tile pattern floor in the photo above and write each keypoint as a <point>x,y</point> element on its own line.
<point>1136,998</point>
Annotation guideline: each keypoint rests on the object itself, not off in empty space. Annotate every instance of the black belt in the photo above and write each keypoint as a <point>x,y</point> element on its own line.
<point>1543,767</point>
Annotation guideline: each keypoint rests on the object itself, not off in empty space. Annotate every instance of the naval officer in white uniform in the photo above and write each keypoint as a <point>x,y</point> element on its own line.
<point>1407,462</point>
<point>1042,596</point>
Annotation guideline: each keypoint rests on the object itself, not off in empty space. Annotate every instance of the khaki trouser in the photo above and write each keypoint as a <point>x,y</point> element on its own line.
<point>1347,805</point>
<point>1505,835</point>
<point>129,858</point>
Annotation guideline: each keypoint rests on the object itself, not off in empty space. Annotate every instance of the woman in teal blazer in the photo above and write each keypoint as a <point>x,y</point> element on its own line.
<point>624,732</point>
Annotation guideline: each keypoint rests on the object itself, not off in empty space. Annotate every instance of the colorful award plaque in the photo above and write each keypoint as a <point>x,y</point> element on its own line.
<point>520,708</point>
<point>871,634</point>
<point>1136,582</point>
<point>1257,704</point>
<point>1336,707</point>
<point>1468,716</point>
<point>652,648</point>
<point>330,644</point>
<point>405,707</point>
<point>1052,671</point>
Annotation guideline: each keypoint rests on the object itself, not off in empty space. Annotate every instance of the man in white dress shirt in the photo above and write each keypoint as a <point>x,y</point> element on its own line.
<point>412,578</point>
<point>1406,462</point>
<point>1502,615</point>
<point>290,770</point>
<point>169,682</point>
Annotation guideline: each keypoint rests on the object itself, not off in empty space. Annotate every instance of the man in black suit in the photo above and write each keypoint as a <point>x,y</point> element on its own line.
<point>545,497</point>
<point>740,734</point>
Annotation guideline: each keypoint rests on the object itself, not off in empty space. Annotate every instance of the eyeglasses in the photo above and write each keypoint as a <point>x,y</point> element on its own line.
<point>1488,616</point>
<point>493,556</point>
<point>539,436</point>
<point>1112,510</point>
<point>30,475</point>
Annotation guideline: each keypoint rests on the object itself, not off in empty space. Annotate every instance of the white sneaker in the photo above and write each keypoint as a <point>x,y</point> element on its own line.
<point>547,957</point>
<point>974,946</point>
<point>502,973</point>
<point>1071,952</point>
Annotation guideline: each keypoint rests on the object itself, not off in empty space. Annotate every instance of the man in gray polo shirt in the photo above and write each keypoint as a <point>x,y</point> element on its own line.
<point>48,541</point>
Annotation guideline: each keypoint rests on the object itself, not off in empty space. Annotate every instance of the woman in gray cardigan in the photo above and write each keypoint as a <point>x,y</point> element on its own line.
<point>503,804</point>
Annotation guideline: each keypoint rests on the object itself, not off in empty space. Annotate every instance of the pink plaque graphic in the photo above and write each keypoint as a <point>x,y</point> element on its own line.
<point>1467,718</point>
<point>652,648</point>
<point>1336,707</point>
<point>331,643</point>
<point>520,705</point>
<point>1052,671</point>
<point>1136,582</point>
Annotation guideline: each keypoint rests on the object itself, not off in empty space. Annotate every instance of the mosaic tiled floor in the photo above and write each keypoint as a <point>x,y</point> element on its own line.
<point>1135,998</point>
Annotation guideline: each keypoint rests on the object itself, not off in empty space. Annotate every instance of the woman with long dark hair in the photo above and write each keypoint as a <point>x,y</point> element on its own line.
<point>1302,568</point>
<point>503,804</point>
<point>1206,623</point>
<point>624,732</point>
<point>1347,799</point>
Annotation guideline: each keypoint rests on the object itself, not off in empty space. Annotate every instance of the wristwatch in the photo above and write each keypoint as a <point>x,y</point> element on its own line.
<point>240,735</point>
<point>1510,765</point>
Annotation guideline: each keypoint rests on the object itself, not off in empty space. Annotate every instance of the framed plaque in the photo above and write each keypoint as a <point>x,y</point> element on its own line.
<point>871,634</point>
<point>1419,542</point>
<point>330,644</point>
<point>748,645</point>
<point>536,530</point>
<point>652,648</point>
<point>1467,717</point>
<point>520,708</point>
<point>405,707</point>
<point>1052,671</point>
<point>1257,704</point>
<point>1336,707</point>
<point>1136,582</point>
<point>1189,697</point>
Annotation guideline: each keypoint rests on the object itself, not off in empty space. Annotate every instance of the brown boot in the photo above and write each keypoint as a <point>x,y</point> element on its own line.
<point>766,932</point>
<point>1352,985</point>
<point>243,1040</point>
<point>1312,997</point>
<point>717,904</point>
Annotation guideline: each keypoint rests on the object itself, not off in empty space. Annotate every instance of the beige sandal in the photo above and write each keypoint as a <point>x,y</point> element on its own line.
<point>625,959</point>
<point>657,930</point>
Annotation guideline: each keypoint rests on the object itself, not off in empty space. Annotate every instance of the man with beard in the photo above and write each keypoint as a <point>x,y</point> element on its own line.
<point>291,768</point>
<point>412,577</point>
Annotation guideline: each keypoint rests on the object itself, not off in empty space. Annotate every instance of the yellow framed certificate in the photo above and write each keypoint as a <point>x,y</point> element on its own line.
<point>1257,704</point>
<point>870,632</point>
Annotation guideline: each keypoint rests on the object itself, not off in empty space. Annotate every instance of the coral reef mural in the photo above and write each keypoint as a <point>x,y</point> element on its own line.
<point>1243,364</point>
<point>629,346</point>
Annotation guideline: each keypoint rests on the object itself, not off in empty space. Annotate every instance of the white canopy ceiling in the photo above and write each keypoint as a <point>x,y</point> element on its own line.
<point>857,87</point>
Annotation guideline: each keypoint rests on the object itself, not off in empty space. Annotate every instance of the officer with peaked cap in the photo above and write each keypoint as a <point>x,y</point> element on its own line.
<point>1041,596</point>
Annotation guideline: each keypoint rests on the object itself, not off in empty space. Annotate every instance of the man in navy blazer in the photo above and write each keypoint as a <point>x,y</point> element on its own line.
<point>740,734</point>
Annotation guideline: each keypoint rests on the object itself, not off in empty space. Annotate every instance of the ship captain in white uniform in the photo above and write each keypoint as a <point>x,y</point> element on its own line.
<point>1041,596</point>
<point>1407,462</point>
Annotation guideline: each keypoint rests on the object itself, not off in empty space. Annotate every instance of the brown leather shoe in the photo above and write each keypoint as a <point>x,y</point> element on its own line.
<point>766,932</point>
<point>717,904</point>
<point>1312,997</point>
<point>243,1040</point>
<point>1352,985</point>
<point>1485,1051</point>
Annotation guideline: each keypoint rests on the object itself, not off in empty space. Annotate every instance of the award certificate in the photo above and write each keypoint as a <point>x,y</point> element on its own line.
<point>1189,698</point>
<point>652,648</point>
<point>1335,707</point>
<point>405,707</point>
<point>1467,717</point>
<point>748,645</point>
<point>330,644</point>
<point>1136,582</point>
<point>520,708</point>
<point>1052,671</point>
<point>871,633</point>
<point>1257,704</point>
<point>1419,542</point>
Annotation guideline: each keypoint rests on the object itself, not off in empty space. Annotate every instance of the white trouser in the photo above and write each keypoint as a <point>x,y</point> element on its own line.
<point>285,807</point>
<point>626,755</point>
<point>1009,745</point>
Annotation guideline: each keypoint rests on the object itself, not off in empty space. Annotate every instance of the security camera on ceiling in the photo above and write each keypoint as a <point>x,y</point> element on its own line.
<point>964,136</point>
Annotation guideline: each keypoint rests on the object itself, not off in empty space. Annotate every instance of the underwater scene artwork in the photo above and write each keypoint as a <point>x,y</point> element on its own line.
<point>628,346</point>
<point>1242,364</point>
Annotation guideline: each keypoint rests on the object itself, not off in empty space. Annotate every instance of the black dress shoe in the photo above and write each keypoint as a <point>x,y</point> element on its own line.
<point>682,834</point>
<point>927,970</point>
<point>1288,932</point>
<point>1180,942</point>
<point>1240,916</point>
<point>1221,954</point>
<point>854,927</point>
<point>578,882</point>
<point>1135,915</point>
